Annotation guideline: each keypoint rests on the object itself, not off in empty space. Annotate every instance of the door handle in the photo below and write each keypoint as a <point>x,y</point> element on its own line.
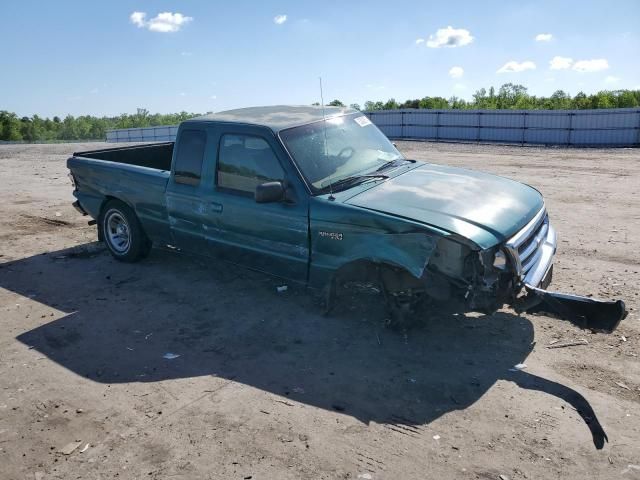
<point>216,207</point>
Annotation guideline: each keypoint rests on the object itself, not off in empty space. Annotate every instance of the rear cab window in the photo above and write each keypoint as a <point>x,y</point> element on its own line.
<point>244,162</point>
<point>188,162</point>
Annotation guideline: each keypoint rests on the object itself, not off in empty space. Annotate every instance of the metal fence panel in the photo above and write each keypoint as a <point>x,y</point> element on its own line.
<point>604,137</point>
<point>547,136</point>
<point>509,135</point>
<point>420,131</point>
<point>421,117</point>
<point>548,120</point>
<point>612,127</point>
<point>610,120</point>
<point>500,119</point>
<point>460,120</point>
<point>457,132</point>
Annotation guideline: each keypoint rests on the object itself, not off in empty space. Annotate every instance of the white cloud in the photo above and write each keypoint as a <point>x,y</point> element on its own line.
<point>560,63</point>
<point>213,97</point>
<point>186,54</point>
<point>513,66</point>
<point>182,94</point>
<point>544,37</point>
<point>279,19</point>
<point>611,79</point>
<point>450,37</point>
<point>419,41</point>
<point>594,65</point>
<point>137,18</point>
<point>164,22</point>
<point>456,72</point>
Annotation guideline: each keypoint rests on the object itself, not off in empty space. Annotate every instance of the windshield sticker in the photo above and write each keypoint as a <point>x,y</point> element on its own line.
<point>362,121</point>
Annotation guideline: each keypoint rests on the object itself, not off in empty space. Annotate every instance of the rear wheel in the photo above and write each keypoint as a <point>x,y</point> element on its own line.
<point>122,233</point>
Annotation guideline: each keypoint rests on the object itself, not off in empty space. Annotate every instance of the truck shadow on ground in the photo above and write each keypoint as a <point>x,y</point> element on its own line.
<point>117,321</point>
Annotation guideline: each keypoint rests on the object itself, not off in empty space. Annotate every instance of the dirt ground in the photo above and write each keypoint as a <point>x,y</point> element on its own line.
<point>266,387</point>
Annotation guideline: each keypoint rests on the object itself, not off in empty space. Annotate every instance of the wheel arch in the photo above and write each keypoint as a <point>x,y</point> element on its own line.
<point>392,275</point>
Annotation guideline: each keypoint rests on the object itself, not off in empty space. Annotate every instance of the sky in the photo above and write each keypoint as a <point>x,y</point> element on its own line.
<point>107,58</point>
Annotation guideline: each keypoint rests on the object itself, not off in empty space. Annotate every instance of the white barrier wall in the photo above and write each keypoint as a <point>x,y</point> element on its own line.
<point>607,127</point>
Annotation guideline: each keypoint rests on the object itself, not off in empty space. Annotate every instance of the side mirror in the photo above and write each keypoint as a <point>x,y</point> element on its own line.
<point>269,192</point>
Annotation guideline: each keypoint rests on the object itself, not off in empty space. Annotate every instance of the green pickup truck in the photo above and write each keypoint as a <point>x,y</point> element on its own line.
<point>321,197</point>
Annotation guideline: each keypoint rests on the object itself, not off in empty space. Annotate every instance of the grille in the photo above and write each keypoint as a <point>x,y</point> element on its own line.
<point>526,245</point>
<point>529,251</point>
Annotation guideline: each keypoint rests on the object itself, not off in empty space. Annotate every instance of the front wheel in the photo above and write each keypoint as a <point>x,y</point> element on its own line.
<point>122,232</point>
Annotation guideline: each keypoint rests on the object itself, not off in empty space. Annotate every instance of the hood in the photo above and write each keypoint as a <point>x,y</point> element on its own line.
<point>484,208</point>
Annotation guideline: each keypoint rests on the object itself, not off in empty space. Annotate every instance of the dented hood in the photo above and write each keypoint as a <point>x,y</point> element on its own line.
<point>484,208</point>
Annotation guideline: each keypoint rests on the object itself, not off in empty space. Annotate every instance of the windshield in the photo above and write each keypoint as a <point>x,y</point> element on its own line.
<point>349,146</point>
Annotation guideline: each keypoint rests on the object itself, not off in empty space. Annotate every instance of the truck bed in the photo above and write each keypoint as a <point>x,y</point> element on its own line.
<point>156,155</point>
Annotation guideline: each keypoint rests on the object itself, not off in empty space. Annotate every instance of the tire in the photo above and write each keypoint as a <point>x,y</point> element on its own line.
<point>122,233</point>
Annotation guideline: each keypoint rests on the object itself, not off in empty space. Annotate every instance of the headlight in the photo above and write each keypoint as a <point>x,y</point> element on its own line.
<point>500,260</point>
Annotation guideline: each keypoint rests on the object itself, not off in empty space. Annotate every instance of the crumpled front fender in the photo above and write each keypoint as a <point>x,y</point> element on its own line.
<point>410,251</point>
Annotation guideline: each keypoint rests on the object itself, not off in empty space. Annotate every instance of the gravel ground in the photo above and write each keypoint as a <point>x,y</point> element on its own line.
<point>265,387</point>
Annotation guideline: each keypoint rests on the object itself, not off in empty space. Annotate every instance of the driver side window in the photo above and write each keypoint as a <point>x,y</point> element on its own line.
<point>244,162</point>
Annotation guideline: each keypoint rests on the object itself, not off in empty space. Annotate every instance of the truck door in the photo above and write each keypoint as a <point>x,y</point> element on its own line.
<point>184,191</point>
<point>270,237</point>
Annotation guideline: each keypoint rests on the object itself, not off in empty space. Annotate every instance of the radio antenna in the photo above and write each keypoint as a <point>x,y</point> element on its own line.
<point>326,152</point>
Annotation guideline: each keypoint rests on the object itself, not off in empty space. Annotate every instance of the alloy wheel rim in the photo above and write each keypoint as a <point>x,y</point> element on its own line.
<point>118,233</point>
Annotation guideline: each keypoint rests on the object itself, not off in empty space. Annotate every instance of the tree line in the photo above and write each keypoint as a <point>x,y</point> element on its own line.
<point>512,96</point>
<point>84,127</point>
<point>508,96</point>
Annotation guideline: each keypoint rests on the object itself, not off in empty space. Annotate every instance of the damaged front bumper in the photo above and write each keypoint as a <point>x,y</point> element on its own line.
<point>532,250</point>
<point>585,312</point>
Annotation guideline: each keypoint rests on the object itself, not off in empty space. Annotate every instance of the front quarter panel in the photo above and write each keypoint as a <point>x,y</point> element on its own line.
<point>342,234</point>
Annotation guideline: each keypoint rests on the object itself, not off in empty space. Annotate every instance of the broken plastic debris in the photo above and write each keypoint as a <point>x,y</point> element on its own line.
<point>436,437</point>
<point>365,476</point>
<point>85,448</point>
<point>282,288</point>
<point>582,341</point>
<point>69,448</point>
<point>58,214</point>
<point>518,367</point>
<point>170,356</point>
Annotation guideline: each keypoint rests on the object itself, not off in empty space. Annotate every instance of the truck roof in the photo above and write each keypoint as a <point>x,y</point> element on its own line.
<point>276,117</point>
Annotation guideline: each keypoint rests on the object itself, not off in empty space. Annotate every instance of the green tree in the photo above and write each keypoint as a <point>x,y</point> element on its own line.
<point>415,103</point>
<point>391,104</point>
<point>9,126</point>
<point>626,99</point>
